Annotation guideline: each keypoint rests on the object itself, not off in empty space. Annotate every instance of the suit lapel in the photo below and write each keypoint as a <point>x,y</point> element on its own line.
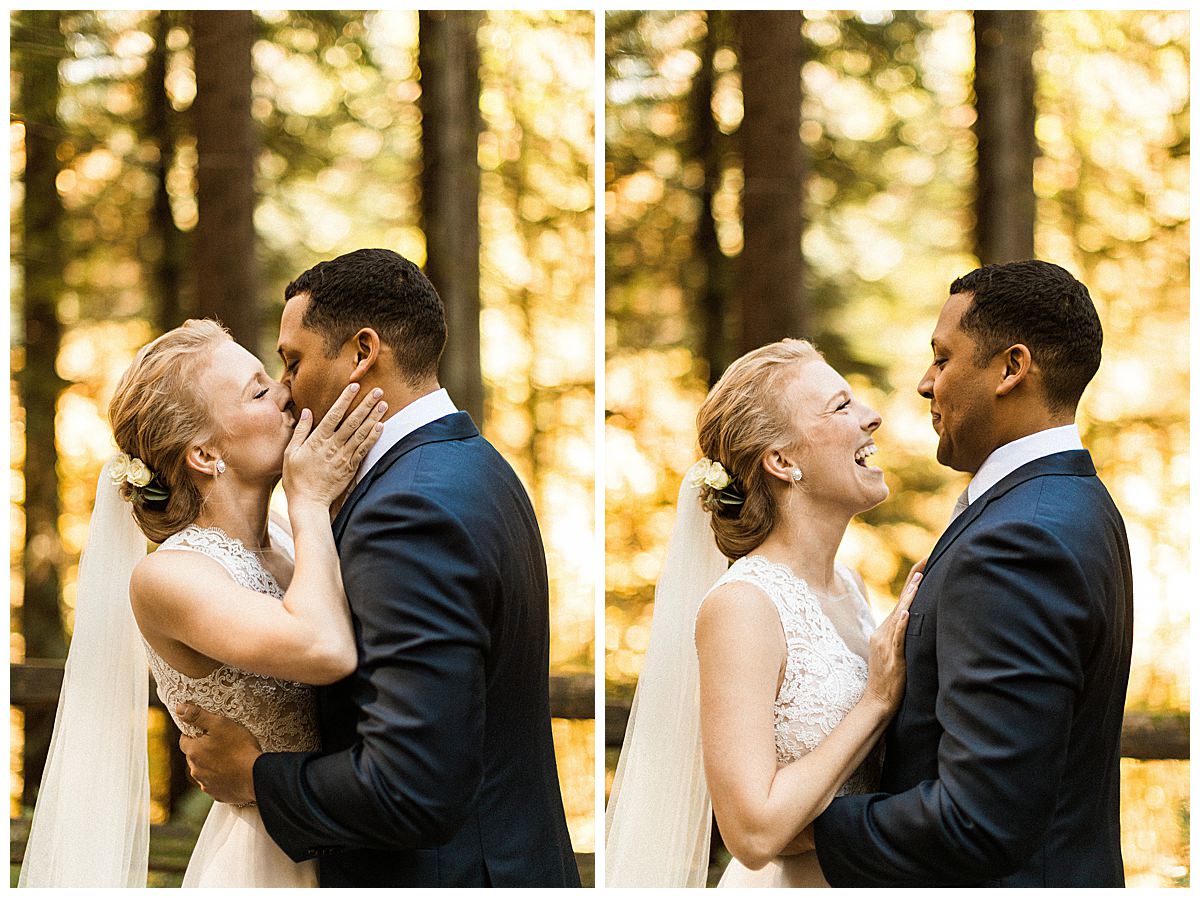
<point>1074,463</point>
<point>458,426</point>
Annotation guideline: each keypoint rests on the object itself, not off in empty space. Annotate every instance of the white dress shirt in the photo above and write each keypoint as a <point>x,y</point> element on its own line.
<point>417,413</point>
<point>1010,456</point>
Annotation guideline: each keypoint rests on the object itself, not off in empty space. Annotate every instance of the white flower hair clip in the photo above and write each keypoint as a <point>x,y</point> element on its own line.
<point>132,470</point>
<point>716,486</point>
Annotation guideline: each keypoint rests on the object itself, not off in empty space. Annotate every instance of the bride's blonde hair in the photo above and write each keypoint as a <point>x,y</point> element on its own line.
<point>742,419</point>
<point>157,413</point>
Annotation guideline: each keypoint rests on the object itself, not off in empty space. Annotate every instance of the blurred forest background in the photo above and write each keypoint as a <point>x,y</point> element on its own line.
<point>173,164</point>
<point>827,175</point>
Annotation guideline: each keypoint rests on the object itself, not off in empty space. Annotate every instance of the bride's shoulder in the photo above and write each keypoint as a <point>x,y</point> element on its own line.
<point>735,607</point>
<point>165,578</point>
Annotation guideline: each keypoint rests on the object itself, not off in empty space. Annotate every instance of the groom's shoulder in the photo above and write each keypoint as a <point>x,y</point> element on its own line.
<point>462,468</point>
<point>1055,496</point>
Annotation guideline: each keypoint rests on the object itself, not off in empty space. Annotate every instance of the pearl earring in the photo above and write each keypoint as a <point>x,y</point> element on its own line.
<point>797,475</point>
<point>220,466</point>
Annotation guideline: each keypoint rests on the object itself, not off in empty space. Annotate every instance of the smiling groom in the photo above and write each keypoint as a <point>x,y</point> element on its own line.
<point>1003,762</point>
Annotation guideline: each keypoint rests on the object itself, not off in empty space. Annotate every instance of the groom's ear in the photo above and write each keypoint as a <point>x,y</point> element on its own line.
<point>366,346</point>
<point>1018,362</point>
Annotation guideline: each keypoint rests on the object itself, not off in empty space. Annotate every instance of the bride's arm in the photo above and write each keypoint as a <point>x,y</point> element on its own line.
<point>189,599</point>
<point>760,807</point>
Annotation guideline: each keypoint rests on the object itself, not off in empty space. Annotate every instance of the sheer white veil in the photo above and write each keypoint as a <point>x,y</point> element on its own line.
<point>91,826</point>
<point>659,817</point>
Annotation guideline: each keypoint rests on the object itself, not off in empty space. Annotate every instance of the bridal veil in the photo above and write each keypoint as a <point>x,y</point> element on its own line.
<point>91,826</point>
<point>659,817</point>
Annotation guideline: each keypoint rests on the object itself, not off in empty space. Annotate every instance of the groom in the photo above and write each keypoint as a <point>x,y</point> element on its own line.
<point>1003,764</point>
<point>437,764</point>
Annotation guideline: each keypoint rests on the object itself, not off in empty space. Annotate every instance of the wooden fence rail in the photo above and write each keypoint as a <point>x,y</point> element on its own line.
<point>1144,737</point>
<point>36,683</point>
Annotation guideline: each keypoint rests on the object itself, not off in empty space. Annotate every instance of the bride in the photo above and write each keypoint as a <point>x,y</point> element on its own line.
<point>766,687</point>
<point>235,611</point>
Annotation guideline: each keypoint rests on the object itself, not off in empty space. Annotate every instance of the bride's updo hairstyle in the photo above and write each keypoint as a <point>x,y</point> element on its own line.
<point>157,413</point>
<point>740,421</point>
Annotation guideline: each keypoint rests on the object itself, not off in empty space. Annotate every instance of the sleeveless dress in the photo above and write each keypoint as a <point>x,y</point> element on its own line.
<point>234,849</point>
<point>824,677</point>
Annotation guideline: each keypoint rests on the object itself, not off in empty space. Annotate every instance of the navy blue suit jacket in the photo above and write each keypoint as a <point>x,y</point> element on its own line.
<point>437,764</point>
<point>1002,765</point>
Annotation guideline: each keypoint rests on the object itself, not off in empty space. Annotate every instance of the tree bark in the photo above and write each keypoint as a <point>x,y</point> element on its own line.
<point>226,272</point>
<point>38,381</point>
<point>1005,208</point>
<point>164,250</point>
<point>712,300</point>
<point>450,123</point>
<point>771,283</point>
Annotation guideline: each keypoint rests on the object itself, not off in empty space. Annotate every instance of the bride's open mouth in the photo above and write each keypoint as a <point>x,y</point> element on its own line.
<point>865,452</point>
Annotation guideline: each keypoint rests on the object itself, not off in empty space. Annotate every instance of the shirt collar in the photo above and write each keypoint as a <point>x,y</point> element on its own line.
<point>1010,456</point>
<point>416,414</point>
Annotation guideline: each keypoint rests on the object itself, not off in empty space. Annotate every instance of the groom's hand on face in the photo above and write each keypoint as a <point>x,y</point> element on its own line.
<point>221,760</point>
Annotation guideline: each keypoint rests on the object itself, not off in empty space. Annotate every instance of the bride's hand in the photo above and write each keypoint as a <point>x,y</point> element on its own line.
<point>319,464</point>
<point>886,672</point>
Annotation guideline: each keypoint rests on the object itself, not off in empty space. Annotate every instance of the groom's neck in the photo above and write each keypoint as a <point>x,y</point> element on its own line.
<point>1016,424</point>
<point>398,393</point>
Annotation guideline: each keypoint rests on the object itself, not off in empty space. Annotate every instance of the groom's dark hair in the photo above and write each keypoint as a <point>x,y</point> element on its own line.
<point>382,290</point>
<point>1043,306</point>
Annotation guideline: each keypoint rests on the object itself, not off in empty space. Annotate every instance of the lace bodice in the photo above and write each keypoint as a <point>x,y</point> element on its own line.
<point>280,713</point>
<point>823,677</point>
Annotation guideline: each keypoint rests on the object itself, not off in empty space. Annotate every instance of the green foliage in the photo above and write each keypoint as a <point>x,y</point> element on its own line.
<point>887,116</point>
<point>335,97</point>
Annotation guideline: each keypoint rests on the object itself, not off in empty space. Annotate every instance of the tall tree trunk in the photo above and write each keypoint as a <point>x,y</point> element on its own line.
<point>712,301</point>
<point>1005,207</point>
<point>164,249</point>
<point>771,282</point>
<point>450,123</point>
<point>42,46</point>
<point>226,273</point>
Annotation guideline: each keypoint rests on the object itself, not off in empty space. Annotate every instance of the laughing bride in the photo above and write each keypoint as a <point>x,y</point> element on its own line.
<point>767,686</point>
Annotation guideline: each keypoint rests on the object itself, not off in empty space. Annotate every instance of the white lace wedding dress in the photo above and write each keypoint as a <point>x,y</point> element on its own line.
<point>824,677</point>
<point>234,849</point>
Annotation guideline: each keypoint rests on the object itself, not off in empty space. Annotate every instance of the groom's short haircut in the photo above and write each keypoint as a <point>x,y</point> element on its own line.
<point>382,290</point>
<point>1041,305</point>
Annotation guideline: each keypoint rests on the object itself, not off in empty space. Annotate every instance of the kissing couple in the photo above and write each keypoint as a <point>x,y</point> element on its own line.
<point>367,700</point>
<point>972,738</point>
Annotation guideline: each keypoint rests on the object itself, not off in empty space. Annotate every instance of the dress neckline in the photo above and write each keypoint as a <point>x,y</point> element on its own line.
<point>234,546</point>
<point>853,587</point>
<point>196,528</point>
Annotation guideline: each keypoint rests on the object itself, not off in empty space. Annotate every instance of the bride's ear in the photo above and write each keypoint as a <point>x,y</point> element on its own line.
<point>367,347</point>
<point>202,460</point>
<point>779,464</point>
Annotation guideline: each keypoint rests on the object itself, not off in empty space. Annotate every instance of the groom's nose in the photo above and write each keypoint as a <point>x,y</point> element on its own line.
<point>925,387</point>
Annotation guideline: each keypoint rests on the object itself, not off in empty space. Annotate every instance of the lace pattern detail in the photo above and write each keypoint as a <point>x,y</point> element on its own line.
<point>280,713</point>
<point>822,678</point>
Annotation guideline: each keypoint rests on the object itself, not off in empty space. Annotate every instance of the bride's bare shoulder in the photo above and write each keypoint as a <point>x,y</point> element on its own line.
<point>167,579</point>
<point>736,609</point>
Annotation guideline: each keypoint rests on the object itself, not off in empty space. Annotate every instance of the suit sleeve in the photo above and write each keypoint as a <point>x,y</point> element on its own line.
<point>420,598</point>
<point>1013,630</point>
